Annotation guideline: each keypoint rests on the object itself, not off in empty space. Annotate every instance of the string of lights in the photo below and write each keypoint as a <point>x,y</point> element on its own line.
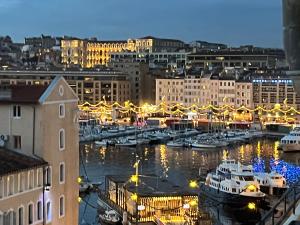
<point>179,109</point>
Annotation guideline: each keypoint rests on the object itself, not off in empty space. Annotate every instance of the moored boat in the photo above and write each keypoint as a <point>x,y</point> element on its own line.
<point>291,142</point>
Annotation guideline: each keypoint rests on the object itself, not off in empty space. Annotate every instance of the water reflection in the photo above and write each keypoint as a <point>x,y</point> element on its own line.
<point>182,165</point>
<point>164,160</point>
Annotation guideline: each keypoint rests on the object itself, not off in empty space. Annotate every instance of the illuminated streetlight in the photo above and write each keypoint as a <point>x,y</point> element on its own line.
<point>193,184</point>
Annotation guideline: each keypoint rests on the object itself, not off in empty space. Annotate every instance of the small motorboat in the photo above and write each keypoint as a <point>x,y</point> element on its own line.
<point>110,217</point>
<point>125,142</point>
<point>101,143</point>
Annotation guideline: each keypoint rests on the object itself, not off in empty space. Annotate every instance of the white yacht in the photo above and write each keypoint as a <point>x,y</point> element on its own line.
<point>271,183</point>
<point>239,189</point>
<point>291,142</point>
<point>230,165</point>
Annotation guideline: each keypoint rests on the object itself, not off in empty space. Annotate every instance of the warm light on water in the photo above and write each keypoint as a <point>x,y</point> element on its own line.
<point>182,165</point>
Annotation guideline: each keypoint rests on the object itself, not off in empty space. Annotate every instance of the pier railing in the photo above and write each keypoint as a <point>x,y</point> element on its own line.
<point>283,208</point>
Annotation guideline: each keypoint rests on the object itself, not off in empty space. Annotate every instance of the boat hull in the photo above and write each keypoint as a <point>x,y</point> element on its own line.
<point>290,147</point>
<point>226,198</point>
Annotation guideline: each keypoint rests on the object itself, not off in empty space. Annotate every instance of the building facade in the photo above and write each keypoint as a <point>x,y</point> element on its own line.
<point>88,53</point>
<point>271,90</point>
<point>204,90</point>
<point>40,123</point>
<point>141,81</point>
<point>243,58</point>
<point>89,86</point>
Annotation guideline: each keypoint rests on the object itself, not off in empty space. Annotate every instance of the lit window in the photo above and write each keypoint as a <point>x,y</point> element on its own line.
<point>62,173</point>
<point>20,216</point>
<point>61,206</point>
<point>48,215</point>
<point>61,139</point>
<point>61,110</point>
<point>30,213</point>
<point>39,210</point>
<point>17,142</point>
<point>17,111</point>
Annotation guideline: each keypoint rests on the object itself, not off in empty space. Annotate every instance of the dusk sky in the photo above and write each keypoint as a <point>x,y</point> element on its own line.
<point>234,22</point>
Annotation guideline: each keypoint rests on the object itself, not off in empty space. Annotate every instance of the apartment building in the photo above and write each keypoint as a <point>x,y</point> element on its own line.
<point>89,86</point>
<point>39,162</point>
<point>209,89</point>
<point>166,59</point>
<point>169,91</point>
<point>249,58</point>
<point>142,81</point>
<point>269,90</point>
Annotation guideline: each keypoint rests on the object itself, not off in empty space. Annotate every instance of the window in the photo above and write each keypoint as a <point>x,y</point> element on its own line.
<point>1,188</point>
<point>20,216</point>
<point>9,218</point>
<point>48,177</point>
<point>1,218</point>
<point>61,172</point>
<point>17,111</point>
<point>30,179</point>
<point>17,142</point>
<point>61,206</point>
<point>39,210</point>
<point>61,139</point>
<point>10,185</point>
<point>48,215</point>
<point>30,213</point>
<point>39,176</point>
<point>61,110</point>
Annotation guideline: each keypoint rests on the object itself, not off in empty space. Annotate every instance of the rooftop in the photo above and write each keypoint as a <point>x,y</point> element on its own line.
<point>12,162</point>
<point>152,186</point>
<point>26,94</point>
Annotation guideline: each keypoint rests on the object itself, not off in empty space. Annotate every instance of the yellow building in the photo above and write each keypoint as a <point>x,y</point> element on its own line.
<point>98,53</point>
<point>73,52</point>
<point>90,53</point>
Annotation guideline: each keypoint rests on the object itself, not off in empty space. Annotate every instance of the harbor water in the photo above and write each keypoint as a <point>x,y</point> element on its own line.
<point>180,165</point>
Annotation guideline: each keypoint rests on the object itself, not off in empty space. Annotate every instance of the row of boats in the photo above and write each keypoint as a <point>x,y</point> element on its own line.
<point>216,140</point>
<point>236,184</point>
<point>147,137</point>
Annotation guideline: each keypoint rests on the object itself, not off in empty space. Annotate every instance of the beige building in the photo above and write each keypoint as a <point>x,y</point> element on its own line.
<point>204,90</point>
<point>89,86</point>
<point>39,132</point>
<point>142,82</point>
<point>169,91</point>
